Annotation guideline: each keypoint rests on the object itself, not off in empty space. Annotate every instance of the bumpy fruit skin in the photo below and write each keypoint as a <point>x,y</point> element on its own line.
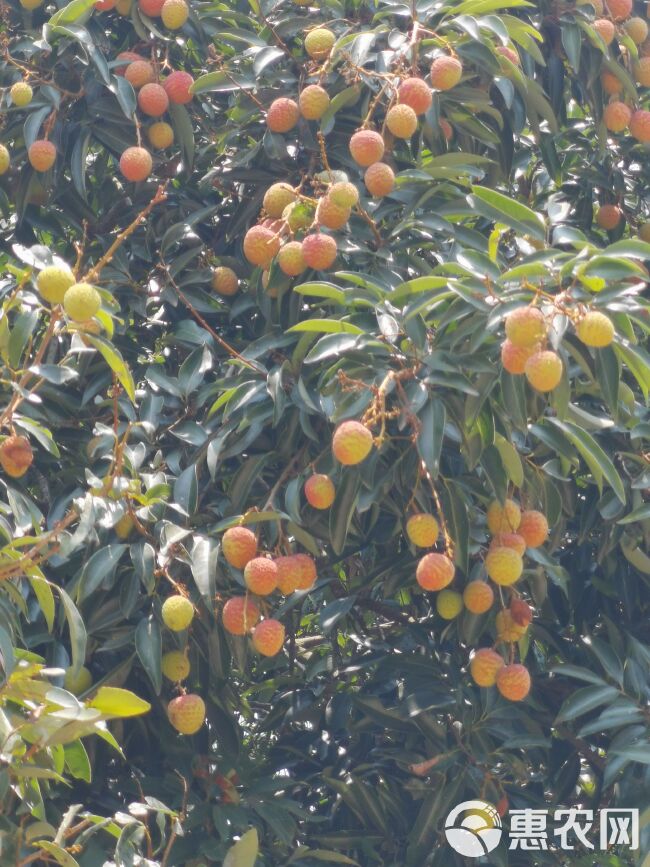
<point>105,5</point>
<point>503,518</point>
<point>620,9</point>
<point>174,13</point>
<point>366,147</point>
<point>41,155</point>
<point>16,456</point>
<point>53,282</point>
<point>484,666</point>
<point>306,571</point>
<point>640,125</point>
<point>260,246</point>
<point>330,215</point>
<point>608,216</point>
<point>605,29</point>
<point>319,251</point>
<point>225,281</point>
<point>544,370</point>
<point>415,93</point>
<point>239,615</point>
<point>290,259</point>
<point>177,87</point>
<point>81,301</point>
<point>136,164</point>
<point>637,29</point>
<point>319,42</point>
<point>186,713</point>
<point>510,540</point>
<point>128,57</point>
<point>79,683</point>
<point>612,85</point>
<point>525,326</point>
<point>507,627</point>
<point>422,529</point>
<point>514,358</point>
<point>642,71</point>
<point>5,159</point>
<point>239,546</point>
<point>343,194</point>
<point>533,528</point>
<point>139,73</point>
<point>513,682</point>
<point>153,100</point>
<point>21,94</point>
<point>504,566</point>
<point>175,665</point>
<point>289,573</point>
<point>595,329</point>
<point>478,597</point>
<point>402,121</point>
<point>261,576</point>
<point>617,116</point>
<point>449,604</point>
<point>152,8</point>
<point>283,115</point>
<point>435,571</point>
<point>177,613</point>
<point>268,637</point>
<point>351,443</point>
<point>276,199</point>
<point>320,491</point>
<point>446,72</point>
<point>160,135</point>
<point>379,180</point>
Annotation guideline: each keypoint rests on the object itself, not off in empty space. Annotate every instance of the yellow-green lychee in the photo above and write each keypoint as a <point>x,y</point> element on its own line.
<point>177,613</point>
<point>81,301</point>
<point>54,281</point>
<point>175,665</point>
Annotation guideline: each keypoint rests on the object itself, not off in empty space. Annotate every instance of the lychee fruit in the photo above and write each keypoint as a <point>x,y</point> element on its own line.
<point>617,116</point>
<point>478,597</point>
<point>139,73</point>
<point>446,72</point>
<point>366,147</point>
<point>402,121</point>
<point>640,125</point>
<point>507,627</point>
<point>160,135</point>
<point>186,713</point>
<point>21,94</point>
<point>136,164</point>
<point>422,529</point>
<point>239,546</point>
<point>544,370</point>
<point>239,615</point>
<point>268,637</point>
<point>514,358</point>
<point>224,281</point>
<point>415,93</point>
<point>313,102</point>
<point>53,282</point>
<point>484,666</point>
<point>525,326</point>
<point>283,115</point>
<point>152,8</point>
<point>637,29</point>
<point>153,100</point>
<point>504,566</point>
<point>533,528</point>
<point>379,179</point>
<point>128,57</point>
<point>289,573</point>
<point>177,87</point>
<point>319,43</point>
<point>319,491</point>
<point>330,215</point>
<point>5,159</point>
<point>261,576</point>
<point>79,682</point>
<point>174,13</point>
<point>306,571</point>
<point>510,540</point>
<point>81,301</point>
<point>177,613</point>
<point>298,216</point>
<point>351,443</point>
<point>609,216</point>
<point>290,259</point>
<point>261,245</point>
<point>620,9</point>
<point>41,155</point>
<point>611,83</point>
<point>276,199</point>
<point>449,604</point>
<point>605,29</point>
<point>175,665</point>
<point>105,5</point>
<point>435,571</point>
<point>513,682</point>
<point>595,329</point>
<point>319,251</point>
<point>343,194</point>
<point>16,456</point>
<point>503,518</point>
<point>642,71</point>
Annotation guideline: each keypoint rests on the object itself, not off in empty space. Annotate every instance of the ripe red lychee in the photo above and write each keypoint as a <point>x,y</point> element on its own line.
<point>478,597</point>
<point>595,329</point>
<point>306,571</point>
<point>160,135</point>
<point>379,180</point>
<point>290,259</point>
<point>642,71</point>
<point>609,216</point>
<point>139,73</point>
<point>525,326</point>
<point>268,637</point>
<point>617,116</point>
<point>319,491</point>
<point>605,29</point>
<point>484,666</point>
<point>402,121</point>
<point>330,215</point>
<point>366,147</point>
<point>136,164</point>
<point>239,615</point>
<point>239,546</point>
<point>261,576</point>
<point>177,87</point>
<point>620,9</point>
<point>544,370</point>
<point>514,358</point>
<point>290,573</point>
<point>503,518</point>
<point>319,42</point>
<point>283,115</point>
<point>533,528</point>
<point>186,713</point>
<point>16,456</point>
<point>105,5</point>
<point>152,8</point>
<point>510,540</point>
<point>153,100</point>
<point>128,57</point>
<point>351,443</point>
<point>343,194</point>
<point>446,72</point>
<point>177,612</point>
<point>422,529</point>
<point>41,155</point>
<point>224,281</point>
<point>415,93</point>
<point>174,13</point>
<point>277,197</point>
<point>611,83</point>
<point>319,251</point>
<point>261,245</point>
<point>313,102</point>
<point>640,125</point>
<point>504,566</point>
<point>435,571</point>
<point>513,682</point>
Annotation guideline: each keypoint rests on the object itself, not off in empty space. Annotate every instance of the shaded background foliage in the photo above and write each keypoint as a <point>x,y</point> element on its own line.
<point>211,409</point>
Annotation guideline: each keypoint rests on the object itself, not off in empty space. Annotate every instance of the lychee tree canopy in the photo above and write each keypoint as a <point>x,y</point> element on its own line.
<point>177,413</point>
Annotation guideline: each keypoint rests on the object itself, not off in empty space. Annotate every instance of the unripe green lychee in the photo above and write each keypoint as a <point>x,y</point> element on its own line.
<point>617,116</point>
<point>239,546</point>
<point>261,576</point>
<point>186,713</point>
<point>343,194</point>
<point>446,72</point>
<point>153,100</point>
<point>513,682</point>
<point>239,615</point>
<point>533,528</point>
<point>415,93</point>
<point>177,613</point>
<point>31,4</point>
<point>283,115</point>
<point>595,329</point>
<point>525,326</point>
<point>78,683</point>
<point>53,282</point>
<point>544,370</point>
<point>277,197</point>
<point>21,94</point>
<point>81,301</point>
<point>478,597</point>
<point>319,43</point>
<point>435,571</point>
<point>402,121</point>
<point>139,73</point>
<point>175,665</point>
<point>319,251</point>
<point>268,637</point>
<point>484,666</point>
<point>224,281</point>
<point>422,529</point>
<point>136,164</point>
<point>313,101</point>
<point>503,518</point>
<point>379,179</point>
<point>351,443</point>
<point>174,13</point>
<point>261,245</point>
<point>514,358</point>
<point>504,566</point>
<point>160,135</point>
<point>41,155</point>
<point>366,147</point>
<point>449,604</point>
<point>5,159</point>
<point>319,491</point>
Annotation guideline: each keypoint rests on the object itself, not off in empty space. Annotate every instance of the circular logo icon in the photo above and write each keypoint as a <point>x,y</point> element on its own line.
<point>473,828</point>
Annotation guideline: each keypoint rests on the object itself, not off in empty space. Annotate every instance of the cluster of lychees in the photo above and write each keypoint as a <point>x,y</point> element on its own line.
<point>524,351</point>
<point>173,13</point>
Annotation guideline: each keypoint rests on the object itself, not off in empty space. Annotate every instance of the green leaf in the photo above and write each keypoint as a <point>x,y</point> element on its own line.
<point>585,700</point>
<point>77,632</point>
<point>43,593</point>
<point>222,82</point>
<point>511,460</point>
<point>60,855</point>
<point>321,290</point>
<point>148,644</point>
<point>496,206</point>
<point>332,326</point>
<point>430,437</point>
<point>72,12</point>
<point>579,673</point>
<point>343,509</point>
<point>244,852</point>
<point>77,761</point>
<point>642,513</point>
<point>115,361</point>
<point>114,702</point>
<point>595,458</point>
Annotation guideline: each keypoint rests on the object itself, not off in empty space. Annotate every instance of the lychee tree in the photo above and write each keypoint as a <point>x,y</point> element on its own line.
<point>324,426</point>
